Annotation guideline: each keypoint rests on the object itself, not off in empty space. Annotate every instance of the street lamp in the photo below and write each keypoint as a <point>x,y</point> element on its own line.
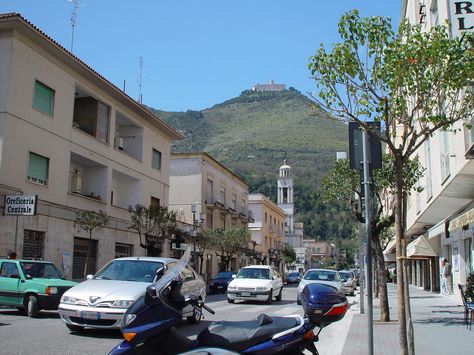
<point>193,233</point>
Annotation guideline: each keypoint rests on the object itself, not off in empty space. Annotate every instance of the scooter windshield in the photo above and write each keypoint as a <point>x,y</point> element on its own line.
<point>173,272</point>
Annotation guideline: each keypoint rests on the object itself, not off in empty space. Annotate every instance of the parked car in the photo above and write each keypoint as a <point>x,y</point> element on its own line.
<point>256,283</point>
<point>357,276</point>
<point>293,278</point>
<point>31,285</point>
<point>220,281</point>
<point>101,300</point>
<point>348,281</point>
<point>322,276</point>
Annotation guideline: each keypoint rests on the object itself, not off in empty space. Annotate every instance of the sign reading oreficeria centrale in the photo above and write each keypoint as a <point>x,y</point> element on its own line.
<point>21,205</point>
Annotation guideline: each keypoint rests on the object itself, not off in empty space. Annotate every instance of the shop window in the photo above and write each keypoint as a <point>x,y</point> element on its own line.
<point>43,98</point>
<point>38,167</point>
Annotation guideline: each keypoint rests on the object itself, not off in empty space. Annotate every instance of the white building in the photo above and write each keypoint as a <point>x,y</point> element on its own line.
<point>444,212</point>
<point>218,195</point>
<point>76,141</point>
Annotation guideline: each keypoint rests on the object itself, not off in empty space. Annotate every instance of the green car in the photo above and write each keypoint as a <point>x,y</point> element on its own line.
<point>31,285</point>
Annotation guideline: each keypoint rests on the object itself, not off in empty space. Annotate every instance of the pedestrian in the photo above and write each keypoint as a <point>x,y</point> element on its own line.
<point>445,275</point>
<point>12,256</point>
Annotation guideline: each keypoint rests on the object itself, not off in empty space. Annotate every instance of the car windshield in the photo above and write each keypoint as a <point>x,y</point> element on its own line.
<point>41,270</point>
<point>293,274</point>
<point>345,275</point>
<point>129,270</point>
<point>322,275</point>
<point>223,275</point>
<point>250,273</point>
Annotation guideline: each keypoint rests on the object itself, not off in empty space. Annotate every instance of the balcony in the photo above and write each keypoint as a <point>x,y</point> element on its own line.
<point>87,178</point>
<point>128,136</point>
<point>125,190</point>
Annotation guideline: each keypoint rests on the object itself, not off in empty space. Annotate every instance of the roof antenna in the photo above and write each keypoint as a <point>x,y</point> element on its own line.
<point>140,77</point>
<point>75,6</point>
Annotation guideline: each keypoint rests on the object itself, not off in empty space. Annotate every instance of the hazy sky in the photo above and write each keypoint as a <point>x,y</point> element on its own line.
<point>196,53</point>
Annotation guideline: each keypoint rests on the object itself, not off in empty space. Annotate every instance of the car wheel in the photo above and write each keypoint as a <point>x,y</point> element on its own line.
<point>298,300</point>
<point>278,298</point>
<point>352,293</point>
<point>32,308</point>
<point>74,328</point>
<point>229,300</point>
<point>270,297</point>
<point>195,318</point>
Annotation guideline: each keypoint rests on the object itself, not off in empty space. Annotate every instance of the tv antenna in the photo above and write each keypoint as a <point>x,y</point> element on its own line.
<point>75,7</point>
<point>140,78</point>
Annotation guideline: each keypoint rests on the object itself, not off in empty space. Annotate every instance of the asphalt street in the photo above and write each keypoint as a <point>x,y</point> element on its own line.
<point>48,335</point>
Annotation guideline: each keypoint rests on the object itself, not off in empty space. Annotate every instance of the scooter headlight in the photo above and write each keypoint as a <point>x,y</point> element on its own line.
<point>127,319</point>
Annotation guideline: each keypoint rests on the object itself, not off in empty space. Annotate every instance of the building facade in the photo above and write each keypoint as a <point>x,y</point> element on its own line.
<point>219,198</point>
<point>320,252</point>
<point>73,139</point>
<point>267,231</point>
<point>271,86</point>
<point>441,217</point>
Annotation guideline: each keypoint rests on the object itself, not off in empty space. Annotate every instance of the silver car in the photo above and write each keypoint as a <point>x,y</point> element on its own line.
<point>101,300</point>
<point>323,276</point>
<point>349,282</point>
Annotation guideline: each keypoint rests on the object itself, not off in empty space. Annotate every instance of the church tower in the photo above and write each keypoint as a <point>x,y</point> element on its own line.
<point>285,196</point>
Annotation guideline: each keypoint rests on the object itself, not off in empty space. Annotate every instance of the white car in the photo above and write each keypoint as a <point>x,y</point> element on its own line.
<point>255,283</point>
<point>322,276</point>
<point>348,281</point>
<point>101,300</point>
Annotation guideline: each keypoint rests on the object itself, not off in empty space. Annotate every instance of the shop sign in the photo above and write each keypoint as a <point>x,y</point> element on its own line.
<point>19,205</point>
<point>463,220</point>
<point>461,16</point>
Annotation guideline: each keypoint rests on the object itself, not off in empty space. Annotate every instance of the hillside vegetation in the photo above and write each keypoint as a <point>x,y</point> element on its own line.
<point>254,132</point>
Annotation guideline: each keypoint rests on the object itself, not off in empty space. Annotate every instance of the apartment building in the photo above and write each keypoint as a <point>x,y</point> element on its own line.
<point>76,141</point>
<point>319,252</point>
<point>441,217</point>
<point>218,197</point>
<point>267,231</point>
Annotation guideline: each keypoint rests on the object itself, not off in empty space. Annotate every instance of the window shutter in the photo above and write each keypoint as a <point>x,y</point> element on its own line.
<point>43,98</point>
<point>38,167</point>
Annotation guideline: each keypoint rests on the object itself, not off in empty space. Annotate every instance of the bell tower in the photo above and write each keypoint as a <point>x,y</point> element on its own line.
<point>285,196</point>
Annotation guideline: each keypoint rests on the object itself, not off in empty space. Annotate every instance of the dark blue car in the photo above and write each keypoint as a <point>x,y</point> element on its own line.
<point>220,281</point>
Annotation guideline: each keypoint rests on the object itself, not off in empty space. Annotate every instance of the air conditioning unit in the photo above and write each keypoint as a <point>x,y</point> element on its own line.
<point>76,182</point>
<point>119,143</point>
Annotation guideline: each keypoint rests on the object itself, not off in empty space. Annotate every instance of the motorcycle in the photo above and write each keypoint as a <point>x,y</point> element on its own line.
<point>148,326</point>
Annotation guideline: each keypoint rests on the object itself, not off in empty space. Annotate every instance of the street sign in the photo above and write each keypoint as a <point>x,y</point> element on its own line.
<point>355,147</point>
<point>182,246</point>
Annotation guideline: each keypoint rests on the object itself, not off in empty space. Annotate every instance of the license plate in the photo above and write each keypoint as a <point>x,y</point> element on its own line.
<point>90,315</point>
<point>220,286</point>
<point>245,294</point>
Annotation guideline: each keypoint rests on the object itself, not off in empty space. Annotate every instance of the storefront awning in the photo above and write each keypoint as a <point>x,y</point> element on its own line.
<point>420,249</point>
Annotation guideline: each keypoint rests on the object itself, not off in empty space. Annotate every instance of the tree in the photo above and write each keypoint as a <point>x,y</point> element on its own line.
<point>154,225</point>
<point>228,242</point>
<point>343,184</point>
<point>290,255</point>
<point>413,82</point>
<point>90,221</point>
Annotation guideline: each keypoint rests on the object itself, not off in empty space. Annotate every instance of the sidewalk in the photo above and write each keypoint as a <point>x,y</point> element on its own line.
<point>438,323</point>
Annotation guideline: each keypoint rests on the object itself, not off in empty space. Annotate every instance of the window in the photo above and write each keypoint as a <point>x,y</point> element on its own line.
<point>429,186</point>
<point>81,246</point>
<point>210,191</point>
<point>222,196</point>
<point>156,159</point>
<point>43,99</point>
<point>33,244</point>
<point>266,217</point>
<point>123,250</point>
<point>445,168</point>
<point>9,270</point>
<point>209,220</point>
<point>38,168</point>
<point>155,202</point>
<point>233,203</point>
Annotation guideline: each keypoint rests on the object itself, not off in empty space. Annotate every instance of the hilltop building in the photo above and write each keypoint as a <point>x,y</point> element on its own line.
<point>70,140</point>
<point>271,86</point>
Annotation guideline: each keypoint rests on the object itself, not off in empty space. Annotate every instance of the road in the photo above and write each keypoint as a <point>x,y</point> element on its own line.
<point>48,335</point>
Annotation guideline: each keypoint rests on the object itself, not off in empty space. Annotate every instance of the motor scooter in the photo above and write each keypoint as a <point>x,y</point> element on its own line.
<point>148,326</point>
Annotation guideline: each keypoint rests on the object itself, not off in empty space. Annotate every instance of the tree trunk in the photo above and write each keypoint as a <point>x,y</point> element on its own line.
<point>87,254</point>
<point>381,280</point>
<point>399,234</point>
<point>411,339</point>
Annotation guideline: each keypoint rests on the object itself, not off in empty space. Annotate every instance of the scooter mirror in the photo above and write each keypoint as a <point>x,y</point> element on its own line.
<point>160,272</point>
<point>151,291</point>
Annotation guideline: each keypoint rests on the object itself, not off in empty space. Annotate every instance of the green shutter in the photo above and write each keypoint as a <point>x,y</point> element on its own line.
<point>43,98</point>
<point>156,159</point>
<point>38,168</point>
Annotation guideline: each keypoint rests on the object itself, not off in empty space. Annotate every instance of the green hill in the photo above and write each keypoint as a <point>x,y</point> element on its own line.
<point>252,134</point>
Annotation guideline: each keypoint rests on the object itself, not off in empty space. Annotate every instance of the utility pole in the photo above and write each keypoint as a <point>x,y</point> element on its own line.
<point>368,229</point>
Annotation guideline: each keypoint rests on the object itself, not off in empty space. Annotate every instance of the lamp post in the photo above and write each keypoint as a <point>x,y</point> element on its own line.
<point>193,234</point>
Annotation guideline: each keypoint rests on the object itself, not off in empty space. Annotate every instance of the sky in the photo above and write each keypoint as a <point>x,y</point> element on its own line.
<point>196,54</point>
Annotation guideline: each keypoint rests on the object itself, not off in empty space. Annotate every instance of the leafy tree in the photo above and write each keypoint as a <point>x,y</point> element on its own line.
<point>413,82</point>
<point>154,225</point>
<point>228,242</point>
<point>290,255</point>
<point>90,221</point>
<point>343,184</point>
